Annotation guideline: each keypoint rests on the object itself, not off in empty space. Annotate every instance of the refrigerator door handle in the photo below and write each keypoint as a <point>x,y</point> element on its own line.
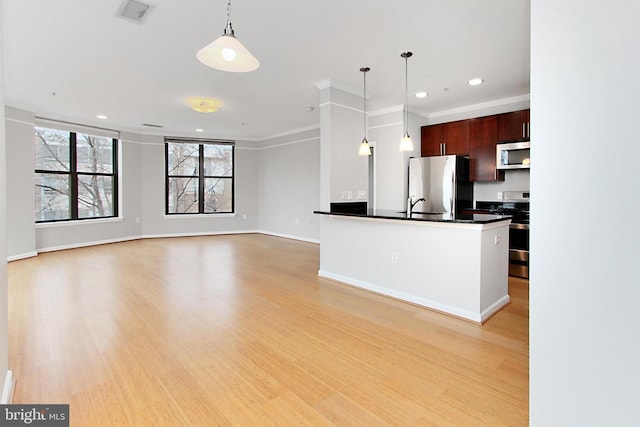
<point>452,200</point>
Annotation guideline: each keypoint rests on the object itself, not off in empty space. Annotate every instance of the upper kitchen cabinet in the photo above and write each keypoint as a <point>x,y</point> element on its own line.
<point>445,139</point>
<point>483,135</point>
<point>513,126</point>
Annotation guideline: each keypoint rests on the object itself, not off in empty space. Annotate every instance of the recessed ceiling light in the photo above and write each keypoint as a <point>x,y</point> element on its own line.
<point>102,116</point>
<point>421,94</point>
<point>309,109</point>
<point>475,82</point>
<point>199,130</point>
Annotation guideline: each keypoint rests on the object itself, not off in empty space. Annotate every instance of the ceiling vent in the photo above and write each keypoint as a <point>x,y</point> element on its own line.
<point>151,125</point>
<point>134,10</point>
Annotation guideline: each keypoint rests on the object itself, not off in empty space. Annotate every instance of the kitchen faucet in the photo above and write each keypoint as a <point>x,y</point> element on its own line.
<point>411,204</point>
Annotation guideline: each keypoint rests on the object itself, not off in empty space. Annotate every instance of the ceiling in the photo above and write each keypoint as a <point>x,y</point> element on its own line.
<point>73,59</point>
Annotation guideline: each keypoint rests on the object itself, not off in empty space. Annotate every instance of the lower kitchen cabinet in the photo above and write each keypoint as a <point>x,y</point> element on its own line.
<point>483,135</point>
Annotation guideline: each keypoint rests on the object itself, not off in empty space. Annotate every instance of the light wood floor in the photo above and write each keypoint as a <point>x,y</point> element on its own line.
<point>240,331</point>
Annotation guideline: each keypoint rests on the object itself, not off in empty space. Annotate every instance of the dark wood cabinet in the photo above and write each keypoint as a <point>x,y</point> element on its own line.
<point>483,135</point>
<point>513,126</point>
<point>445,138</point>
<point>431,140</point>
<point>476,138</point>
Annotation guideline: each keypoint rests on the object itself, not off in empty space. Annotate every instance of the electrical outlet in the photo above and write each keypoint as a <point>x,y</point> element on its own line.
<point>394,257</point>
<point>362,194</point>
<point>499,195</point>
<point>344,195</point>
<point>350,195</point>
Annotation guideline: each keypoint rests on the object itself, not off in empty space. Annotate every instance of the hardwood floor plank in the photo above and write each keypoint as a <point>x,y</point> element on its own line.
<point>239,330</point>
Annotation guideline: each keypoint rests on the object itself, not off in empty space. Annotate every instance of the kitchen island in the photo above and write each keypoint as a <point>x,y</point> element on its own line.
<point>455,265</point>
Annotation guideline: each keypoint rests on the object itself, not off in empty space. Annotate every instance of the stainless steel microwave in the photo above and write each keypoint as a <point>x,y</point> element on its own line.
<point>513,155</point>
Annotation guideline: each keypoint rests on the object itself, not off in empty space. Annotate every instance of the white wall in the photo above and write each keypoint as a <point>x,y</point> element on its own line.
<point>515,180</point>
<point>53,236</point>
<point>289,185</point>
<point>21,236</point>
<point>154,221</point>
<point>585,239</point>
<point>391,164</point>
<point>141,197</point>
<point>4,299</point>
<point>341,131</point>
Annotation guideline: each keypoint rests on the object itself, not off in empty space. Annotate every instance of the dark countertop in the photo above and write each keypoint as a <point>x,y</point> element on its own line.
<point>419,216</point>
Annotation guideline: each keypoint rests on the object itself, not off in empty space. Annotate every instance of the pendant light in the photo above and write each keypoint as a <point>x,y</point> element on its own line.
<point>365,150</point>
<point>405,143</point>
<point>226,53</point>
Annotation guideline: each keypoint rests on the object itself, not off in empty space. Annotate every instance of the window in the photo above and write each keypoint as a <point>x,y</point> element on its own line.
<point>76,175</point>
<point>199,176</point>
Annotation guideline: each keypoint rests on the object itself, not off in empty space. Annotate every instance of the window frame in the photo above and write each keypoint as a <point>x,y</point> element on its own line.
<point>201,176</point>
<point>73,175</point>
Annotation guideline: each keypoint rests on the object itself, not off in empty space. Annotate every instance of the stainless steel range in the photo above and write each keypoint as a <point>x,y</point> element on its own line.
<point>515,204</point>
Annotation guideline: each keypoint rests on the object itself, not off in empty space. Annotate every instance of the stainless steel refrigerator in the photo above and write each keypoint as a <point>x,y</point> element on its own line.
<point>443,183</point>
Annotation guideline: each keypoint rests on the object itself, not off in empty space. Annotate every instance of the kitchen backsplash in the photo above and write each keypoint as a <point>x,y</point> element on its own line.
<point>514,180</point>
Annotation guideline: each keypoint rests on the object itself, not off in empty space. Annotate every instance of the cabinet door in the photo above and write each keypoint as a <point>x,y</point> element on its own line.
<point>456,138</point>
<point>431,138</point>
<point>513,126</point>
<point>483,136</point>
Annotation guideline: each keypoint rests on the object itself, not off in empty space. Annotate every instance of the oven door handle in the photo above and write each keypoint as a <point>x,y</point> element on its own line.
<point>519,226</point>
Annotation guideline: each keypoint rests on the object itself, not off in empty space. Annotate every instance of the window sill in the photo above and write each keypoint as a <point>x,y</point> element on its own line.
<point>77,222</point>
<point>209,215</point>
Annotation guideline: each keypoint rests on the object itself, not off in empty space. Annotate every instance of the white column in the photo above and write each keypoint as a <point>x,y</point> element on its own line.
<point>341,131</point>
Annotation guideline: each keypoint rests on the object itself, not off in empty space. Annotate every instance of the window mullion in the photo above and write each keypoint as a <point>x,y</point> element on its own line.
<point>201,179</point>
<point>114,170</point>
<point>73,176</point>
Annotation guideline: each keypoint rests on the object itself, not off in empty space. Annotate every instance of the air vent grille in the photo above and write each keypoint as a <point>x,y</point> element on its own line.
<point>134,10</point>
<point>151,126</point>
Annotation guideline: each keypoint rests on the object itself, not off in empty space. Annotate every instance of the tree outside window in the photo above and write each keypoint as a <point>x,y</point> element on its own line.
<point>76,175</point>
<point>199,177</point>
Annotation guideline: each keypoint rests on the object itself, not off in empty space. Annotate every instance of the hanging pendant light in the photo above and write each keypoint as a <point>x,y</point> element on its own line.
<point>405,143</point>
<point>226,53</point>
<point>365,149</point>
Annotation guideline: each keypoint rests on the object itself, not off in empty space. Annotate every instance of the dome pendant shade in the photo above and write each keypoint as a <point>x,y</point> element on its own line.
<point>227,53</point>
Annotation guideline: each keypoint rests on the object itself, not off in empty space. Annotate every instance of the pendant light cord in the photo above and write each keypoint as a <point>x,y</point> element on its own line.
<point>229,11</point>
<point>364,98</point>
<point>406,95</point>
<point>364,101</point>
<point>406,56</point>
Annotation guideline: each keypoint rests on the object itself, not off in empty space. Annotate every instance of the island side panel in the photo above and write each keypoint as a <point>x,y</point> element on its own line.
<point>438,265</point>
<point>494,291</point>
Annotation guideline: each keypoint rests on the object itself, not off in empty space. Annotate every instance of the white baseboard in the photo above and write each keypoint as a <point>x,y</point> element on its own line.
<point>424,302</point>
<point>7,390</point>
<point>494,308</point>
<point>21,256</point>
<point>84,244</point>
<point>289,236</point>
<point>196,234</point>
<point>158,236</point>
